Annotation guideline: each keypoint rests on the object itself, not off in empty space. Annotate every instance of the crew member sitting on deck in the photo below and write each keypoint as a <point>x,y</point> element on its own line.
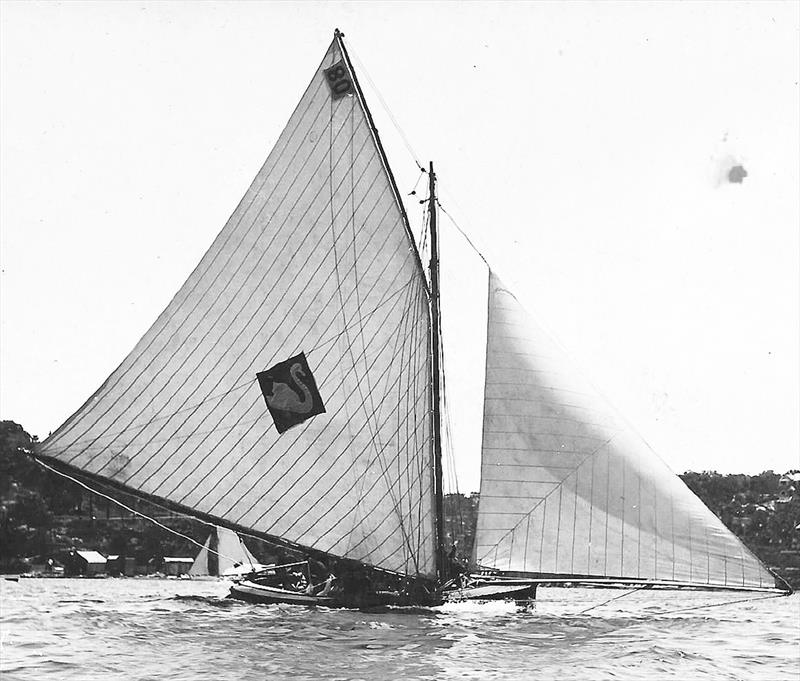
<point>325,587</point>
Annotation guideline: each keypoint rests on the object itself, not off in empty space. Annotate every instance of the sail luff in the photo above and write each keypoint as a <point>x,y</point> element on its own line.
<point>481,518</point>
<point>562,471</point>
<point>339,37</point>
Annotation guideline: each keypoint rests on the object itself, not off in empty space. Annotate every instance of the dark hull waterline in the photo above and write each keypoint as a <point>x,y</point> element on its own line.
<point>252,592</point>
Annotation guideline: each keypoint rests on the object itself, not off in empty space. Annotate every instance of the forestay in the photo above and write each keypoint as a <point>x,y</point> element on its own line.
<point>316,259</point>
<point>568,489</point>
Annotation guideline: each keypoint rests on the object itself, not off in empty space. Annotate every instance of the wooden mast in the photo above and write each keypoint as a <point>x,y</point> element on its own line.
<point>441,564</point>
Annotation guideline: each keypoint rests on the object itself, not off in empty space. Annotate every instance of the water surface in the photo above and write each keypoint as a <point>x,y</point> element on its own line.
<point>146,629</point>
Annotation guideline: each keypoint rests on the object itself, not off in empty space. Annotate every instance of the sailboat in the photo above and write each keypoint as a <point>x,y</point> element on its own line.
<point>224,554</point>
<point>291,391</point>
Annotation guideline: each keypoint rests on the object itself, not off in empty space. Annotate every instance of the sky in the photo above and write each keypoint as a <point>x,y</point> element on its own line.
<point>583,147</point>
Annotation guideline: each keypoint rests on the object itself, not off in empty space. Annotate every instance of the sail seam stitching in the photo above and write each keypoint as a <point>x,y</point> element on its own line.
<point>329,350</point>
<point>106,387</point>
<point>386,371</point>
<point>348,344</point>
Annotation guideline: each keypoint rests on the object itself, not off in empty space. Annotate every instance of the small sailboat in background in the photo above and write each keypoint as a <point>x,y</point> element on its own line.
<point>224,554</point>
<point>291,391</point>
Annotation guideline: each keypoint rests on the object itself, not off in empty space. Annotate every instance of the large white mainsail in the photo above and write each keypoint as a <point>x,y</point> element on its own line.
<point>317,258</point>
<point>568,489</point>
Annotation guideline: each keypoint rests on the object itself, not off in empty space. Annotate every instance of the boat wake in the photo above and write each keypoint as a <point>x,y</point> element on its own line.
<point>214,601</point>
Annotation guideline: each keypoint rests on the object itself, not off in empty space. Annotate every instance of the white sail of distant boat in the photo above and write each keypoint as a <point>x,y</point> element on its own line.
<point>569,490</point>
<point>203,563</point>
<point>224,554</point>
<point>290,391</point>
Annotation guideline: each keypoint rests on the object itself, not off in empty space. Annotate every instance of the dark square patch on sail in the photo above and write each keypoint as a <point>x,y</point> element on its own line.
<point>339,80</point>
<point>290,392</point>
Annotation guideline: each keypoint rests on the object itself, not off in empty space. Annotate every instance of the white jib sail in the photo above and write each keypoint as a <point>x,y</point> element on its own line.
<point>230,555</point>
<point>568,489</point>
<point>316,258</point>
<point>234,556</point>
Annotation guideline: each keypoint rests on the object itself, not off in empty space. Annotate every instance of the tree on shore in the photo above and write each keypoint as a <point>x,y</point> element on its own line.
<point>42,514</point>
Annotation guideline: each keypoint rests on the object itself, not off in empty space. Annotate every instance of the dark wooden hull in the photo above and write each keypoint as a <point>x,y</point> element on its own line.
<point>493,591</point>
<point>252,592</point>
<point>259,593</point>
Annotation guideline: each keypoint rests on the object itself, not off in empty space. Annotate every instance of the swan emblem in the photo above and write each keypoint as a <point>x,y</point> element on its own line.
<point>284,397</point>
<point>291,393</point>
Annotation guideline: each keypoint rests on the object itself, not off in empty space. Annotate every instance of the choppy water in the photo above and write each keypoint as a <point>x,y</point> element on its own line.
<point>152,629</point>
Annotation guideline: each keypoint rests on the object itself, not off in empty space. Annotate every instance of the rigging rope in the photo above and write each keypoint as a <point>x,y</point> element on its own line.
<point>627,593</point>
<point>718,605</point>
<point>385,106</point>
<point>422,174</point>
<point>448,432</point>
<point>450,458</point>
<point>408,146</point>
<point>463,233</point>
<point>693,607</point>
<point>135,512</point>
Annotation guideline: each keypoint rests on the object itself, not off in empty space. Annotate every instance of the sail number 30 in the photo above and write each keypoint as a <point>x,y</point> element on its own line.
<point>339,80</point>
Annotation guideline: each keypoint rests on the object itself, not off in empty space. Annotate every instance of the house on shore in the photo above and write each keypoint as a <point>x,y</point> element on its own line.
<point>121,566</point>
<point>788,487</point>
<point>86,563</point>
<point>175,567</point>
